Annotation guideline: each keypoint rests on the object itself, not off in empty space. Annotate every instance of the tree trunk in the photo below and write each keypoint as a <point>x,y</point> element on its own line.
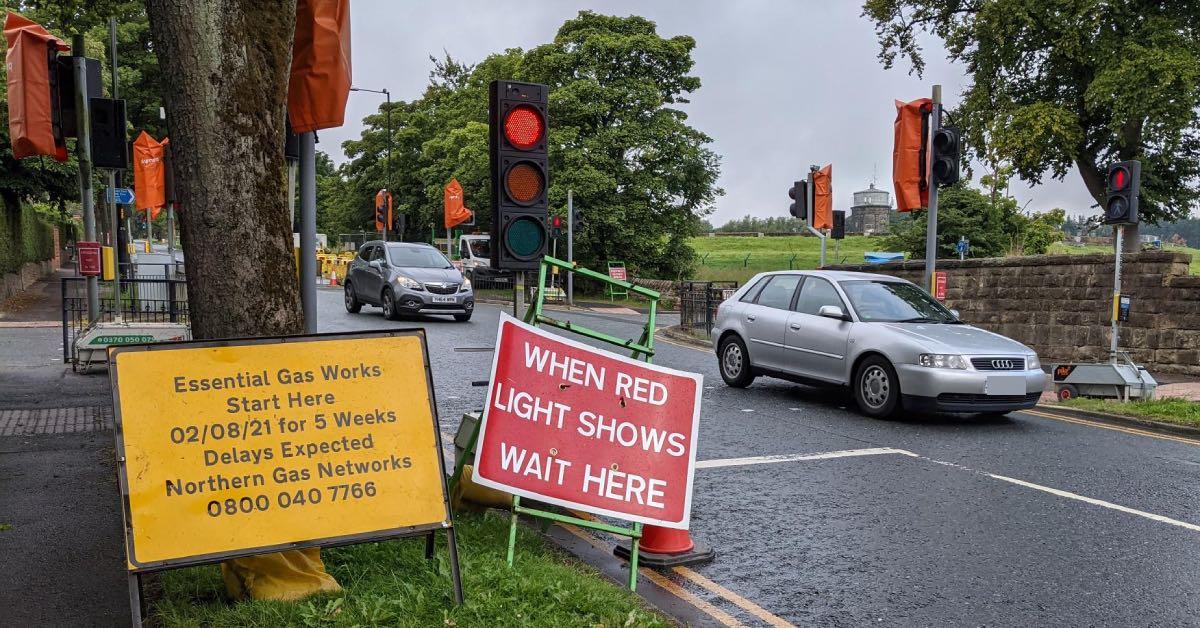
<point>226,65</point>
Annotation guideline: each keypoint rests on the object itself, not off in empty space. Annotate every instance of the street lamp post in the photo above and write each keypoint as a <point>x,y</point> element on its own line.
<point>388,168</point>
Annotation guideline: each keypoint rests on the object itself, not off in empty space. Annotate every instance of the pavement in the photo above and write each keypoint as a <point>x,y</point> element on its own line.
<point>1032,519</point>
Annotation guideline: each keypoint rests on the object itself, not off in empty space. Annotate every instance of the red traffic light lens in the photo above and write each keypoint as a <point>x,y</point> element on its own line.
<point>523,127</point>
<point>1118,179</point>
<point>557,222</point>
<point>524,182</point>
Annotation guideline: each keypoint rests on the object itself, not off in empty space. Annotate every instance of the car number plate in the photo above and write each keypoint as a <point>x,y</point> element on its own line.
<point>443,299</point>
<point>1005,385</point>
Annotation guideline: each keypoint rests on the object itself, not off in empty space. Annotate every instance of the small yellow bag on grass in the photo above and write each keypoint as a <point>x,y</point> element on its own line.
<point>284,576</point>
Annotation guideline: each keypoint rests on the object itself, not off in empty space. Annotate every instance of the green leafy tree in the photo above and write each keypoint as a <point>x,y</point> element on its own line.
<point>1062,83</point>
<point>639,172</point>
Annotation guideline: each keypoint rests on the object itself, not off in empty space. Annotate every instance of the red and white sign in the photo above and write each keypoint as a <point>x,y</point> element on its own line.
<point>89,258</point>
<point>617,272</point>
<point>939,285</point>
<point>582,428</point>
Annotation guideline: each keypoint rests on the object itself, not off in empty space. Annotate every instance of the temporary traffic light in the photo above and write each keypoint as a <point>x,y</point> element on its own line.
<point>799,195</point>
<point>839,224</point>
<point>556,224</point>
<point>1124,185</point>
<point>944,164</point>
<point>577,220</point>
<point>520,173</point>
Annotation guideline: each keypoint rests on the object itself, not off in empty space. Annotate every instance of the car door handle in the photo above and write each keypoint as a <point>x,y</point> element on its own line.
<point>794,325</point>
<point>750,317</point>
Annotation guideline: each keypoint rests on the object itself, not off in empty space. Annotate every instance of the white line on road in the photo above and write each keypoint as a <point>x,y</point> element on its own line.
<point>847,453</point>
<point>1098,502</point>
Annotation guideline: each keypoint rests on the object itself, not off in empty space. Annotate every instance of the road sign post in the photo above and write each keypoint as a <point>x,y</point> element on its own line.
<point>242,447</point>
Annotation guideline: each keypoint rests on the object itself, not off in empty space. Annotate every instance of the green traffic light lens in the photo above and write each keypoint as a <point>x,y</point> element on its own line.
<point>524,237</point>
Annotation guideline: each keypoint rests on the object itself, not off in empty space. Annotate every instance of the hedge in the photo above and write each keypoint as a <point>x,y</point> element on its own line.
<point>24,237</point>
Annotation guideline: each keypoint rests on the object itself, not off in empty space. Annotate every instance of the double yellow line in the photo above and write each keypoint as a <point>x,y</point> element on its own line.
<point>682,593</point>
<point>1115,428</point>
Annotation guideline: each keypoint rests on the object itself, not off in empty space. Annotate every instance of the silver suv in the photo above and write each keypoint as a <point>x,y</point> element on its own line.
<point>407,278</point>
<point>885,338</point>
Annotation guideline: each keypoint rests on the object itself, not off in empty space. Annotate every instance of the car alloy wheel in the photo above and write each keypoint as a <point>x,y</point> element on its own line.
<point>732,360</point>
<point>876,386</point>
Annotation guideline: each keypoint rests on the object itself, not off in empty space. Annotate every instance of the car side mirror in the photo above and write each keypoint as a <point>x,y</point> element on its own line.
<point>955,313</point>
<point>831,311</point>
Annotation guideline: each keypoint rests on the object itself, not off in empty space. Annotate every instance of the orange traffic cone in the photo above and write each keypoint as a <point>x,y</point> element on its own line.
<point>667,547</point>
<point>333,278</point>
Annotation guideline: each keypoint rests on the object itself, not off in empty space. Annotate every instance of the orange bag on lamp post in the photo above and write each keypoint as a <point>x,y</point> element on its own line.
<point>908,156</point>
<point>149,173</point>
<point>30,124</point>
<point>320,79</point>
<point>823,198</point>
<point>452,201</point>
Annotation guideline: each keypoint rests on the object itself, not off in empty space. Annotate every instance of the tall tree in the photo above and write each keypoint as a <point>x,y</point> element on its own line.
<point>226,67</point>
<point>1062,83</point>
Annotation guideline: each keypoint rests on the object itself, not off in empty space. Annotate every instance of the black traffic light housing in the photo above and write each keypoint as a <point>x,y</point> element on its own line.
<point>520,173</point>
<point>799,195</point>
<point>839,225</point>
<point>944,164</point>
<point>1124,185</point>
<point>110,144</point>
<point>578,221</point>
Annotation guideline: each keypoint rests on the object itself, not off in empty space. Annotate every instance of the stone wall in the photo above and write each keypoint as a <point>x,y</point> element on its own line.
<point>1060,304</point>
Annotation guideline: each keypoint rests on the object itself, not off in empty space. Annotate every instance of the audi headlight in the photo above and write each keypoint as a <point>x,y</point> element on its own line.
<point>942,361</point>
<point>1032,361</point>
<point>408,282</point>
<point>466,286</point>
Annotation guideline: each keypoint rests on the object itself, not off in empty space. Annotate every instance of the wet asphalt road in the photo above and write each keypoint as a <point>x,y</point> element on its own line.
<point>934,538</point>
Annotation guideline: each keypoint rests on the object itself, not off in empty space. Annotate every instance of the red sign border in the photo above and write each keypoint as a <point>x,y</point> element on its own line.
<point>683,524</point>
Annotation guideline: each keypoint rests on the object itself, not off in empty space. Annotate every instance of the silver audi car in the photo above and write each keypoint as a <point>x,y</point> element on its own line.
<point>889,341</point>
<point>407,278</point>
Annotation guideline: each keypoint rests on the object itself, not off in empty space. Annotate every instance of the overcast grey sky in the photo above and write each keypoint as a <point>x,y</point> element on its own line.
<point>784,83</point>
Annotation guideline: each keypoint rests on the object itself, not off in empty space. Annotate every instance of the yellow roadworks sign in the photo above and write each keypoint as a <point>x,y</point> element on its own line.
<point>233,448</point>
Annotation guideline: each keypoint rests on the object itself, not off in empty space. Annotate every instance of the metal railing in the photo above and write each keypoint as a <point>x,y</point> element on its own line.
<point>698,301</point>
<point>142,301</point>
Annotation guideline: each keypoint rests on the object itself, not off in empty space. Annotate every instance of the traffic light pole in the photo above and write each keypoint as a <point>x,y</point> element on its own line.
<point>308,230</point>
<point>570,246</point>
<point>811,193</point>
<point>935,123</point>
<point>83,152</point>
<point>114,220</point>
<point>1116,304</point>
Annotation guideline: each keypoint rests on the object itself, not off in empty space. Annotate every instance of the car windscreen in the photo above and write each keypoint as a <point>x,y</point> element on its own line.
<point>480,248</point>
<point>414,257</point>
<point>882,301</point>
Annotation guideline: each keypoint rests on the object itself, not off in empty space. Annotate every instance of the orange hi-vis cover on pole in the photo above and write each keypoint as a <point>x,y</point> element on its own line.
<point>320,81</point>
<point>380,197</point>
<point>908,157</point>
<point>30,124</point>
<point>149,174</point>
<point>823,198</point>
<point>452,198</point>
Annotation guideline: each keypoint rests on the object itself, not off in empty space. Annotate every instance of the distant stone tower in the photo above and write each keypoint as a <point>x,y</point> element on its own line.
<point>871,213</point>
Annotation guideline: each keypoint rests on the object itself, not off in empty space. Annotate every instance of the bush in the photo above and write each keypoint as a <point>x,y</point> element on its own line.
<point>24,237</point>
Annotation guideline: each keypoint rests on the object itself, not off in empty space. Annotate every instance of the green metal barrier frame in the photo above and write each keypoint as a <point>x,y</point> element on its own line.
<point>642,348</point>
<point>616,287</point>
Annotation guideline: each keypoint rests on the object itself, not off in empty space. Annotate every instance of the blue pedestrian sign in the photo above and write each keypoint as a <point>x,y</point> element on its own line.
<point>121,196</point>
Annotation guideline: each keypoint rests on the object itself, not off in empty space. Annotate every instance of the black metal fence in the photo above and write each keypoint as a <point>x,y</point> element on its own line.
<point>142,301</point>
<point>698,301</point>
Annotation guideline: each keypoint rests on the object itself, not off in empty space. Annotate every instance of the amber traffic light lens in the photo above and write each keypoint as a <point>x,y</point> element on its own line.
<point>523,127</point>
<point>524,182</point>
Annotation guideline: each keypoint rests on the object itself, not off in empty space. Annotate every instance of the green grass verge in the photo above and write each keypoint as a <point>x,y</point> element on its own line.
<point>1167,410</point>
<point>1059,248</point>
<point>392,584</point>
<point>724,258</point>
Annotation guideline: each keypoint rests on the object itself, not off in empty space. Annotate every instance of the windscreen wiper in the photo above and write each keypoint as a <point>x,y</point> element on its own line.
<point>919,319</point>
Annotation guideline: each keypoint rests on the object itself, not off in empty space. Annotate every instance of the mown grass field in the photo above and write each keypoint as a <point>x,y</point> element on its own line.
<point>725,258</point>
<point>1168,409</point>
<point>1063,247</point>
<point>392,584</point>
